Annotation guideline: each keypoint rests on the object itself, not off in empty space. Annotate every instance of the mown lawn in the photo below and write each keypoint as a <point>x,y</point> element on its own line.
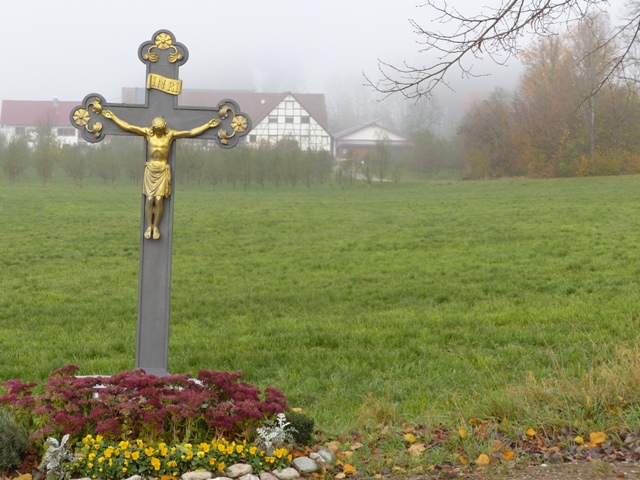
<point>430,302</point>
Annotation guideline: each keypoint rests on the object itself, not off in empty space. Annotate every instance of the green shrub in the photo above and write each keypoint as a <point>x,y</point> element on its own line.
<point>13,442</point>
<point>300,427</point>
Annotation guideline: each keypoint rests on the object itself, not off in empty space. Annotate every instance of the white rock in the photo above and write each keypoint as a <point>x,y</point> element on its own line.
<point>305,464</point>
<point>196,476</point>
<point>135,477</point>
<point>287,474</point>
<point>238,470</point>
<point>268,476</point>
<point>324,455</point>
<point>249,476</point>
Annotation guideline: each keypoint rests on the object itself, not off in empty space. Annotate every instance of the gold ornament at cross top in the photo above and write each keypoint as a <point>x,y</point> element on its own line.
<point>163,41</point>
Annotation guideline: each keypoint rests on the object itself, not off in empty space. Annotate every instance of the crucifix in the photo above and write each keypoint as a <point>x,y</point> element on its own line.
<point>160,121</point>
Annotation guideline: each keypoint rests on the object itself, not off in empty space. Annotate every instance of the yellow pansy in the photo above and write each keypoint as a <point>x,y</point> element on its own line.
<point>155,462</point>
<point>134,455</point>
<point>124,445</point>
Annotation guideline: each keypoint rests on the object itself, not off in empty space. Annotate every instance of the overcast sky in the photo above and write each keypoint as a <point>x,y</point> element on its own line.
<point>67,49</point>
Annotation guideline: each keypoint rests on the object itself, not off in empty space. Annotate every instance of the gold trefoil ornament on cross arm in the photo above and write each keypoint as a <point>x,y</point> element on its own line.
<point>82,117</point>
<point>238,124</point>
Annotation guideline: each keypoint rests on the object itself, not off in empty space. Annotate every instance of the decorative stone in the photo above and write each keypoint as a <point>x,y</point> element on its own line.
<point>305,465</point>
<point>287,474</point>
<point>324,455</point>
<point>196,476</point>
<point>268,476</point>
<point>238,470</point>
<point>249,476</point>
<point>134,477</point>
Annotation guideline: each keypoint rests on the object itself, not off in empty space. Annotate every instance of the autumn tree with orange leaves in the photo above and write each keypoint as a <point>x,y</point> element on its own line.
<point>566,118</point>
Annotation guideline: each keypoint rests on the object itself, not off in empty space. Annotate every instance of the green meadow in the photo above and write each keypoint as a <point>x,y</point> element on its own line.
<point>427,303</point>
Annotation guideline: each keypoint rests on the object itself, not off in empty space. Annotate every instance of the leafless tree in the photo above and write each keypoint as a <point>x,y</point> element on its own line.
<point>496,32</point>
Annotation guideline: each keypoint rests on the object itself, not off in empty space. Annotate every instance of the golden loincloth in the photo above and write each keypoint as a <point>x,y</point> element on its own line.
<point>157,179</point>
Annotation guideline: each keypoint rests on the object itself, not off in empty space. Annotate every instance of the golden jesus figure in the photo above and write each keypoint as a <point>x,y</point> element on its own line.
<point>157,171</point>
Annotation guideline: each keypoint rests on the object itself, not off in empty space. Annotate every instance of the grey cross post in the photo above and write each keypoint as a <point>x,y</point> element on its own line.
<point>163,56</point>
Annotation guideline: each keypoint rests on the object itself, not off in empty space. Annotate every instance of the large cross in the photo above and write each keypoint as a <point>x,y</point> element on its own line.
<point>225,124</point>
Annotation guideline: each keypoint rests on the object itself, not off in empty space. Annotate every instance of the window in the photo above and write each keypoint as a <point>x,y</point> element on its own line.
<point>288,120</point>
<point>20,131</point>
<point>305,119</point>
<point>253,138</point>
<point>273,119</point>
<point>66,132</point>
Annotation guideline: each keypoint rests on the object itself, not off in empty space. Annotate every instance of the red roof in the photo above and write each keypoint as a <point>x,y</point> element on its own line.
<point>33,113</point>
<point>255,104</point>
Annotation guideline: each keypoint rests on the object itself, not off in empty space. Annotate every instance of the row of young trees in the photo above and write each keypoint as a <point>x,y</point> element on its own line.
<point>566,117</point>
<point>121,158</point>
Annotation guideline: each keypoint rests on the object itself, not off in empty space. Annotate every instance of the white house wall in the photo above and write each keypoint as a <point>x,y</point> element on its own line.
<point>373,133</point>
<point>289,119</point>
<point>66,135</point>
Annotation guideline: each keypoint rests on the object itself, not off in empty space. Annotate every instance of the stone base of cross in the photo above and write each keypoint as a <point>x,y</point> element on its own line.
<point>161,121</point>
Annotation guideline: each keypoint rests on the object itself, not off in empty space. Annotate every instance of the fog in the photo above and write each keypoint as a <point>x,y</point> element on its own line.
<point>67,49</point>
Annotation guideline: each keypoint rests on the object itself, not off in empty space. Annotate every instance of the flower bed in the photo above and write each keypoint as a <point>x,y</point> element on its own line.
<point>135,405</point>
<point>96,458</point>
<point>135,423</point>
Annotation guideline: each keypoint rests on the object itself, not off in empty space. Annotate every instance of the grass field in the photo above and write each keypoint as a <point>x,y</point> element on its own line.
<point>426,302</point>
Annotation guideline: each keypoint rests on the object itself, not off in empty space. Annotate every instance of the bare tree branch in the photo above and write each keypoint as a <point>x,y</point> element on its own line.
<point>496,33</point>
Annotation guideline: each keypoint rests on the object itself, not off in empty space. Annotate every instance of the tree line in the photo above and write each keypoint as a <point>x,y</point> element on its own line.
<point>567,117</point>
<point>120,159</point>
